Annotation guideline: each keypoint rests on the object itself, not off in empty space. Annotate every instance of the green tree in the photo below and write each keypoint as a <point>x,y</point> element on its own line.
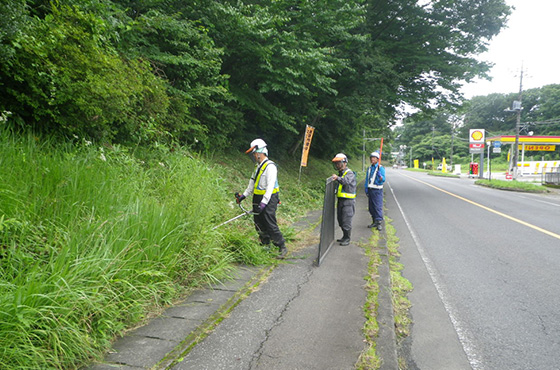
<point>182,54</point>
<point>12,23</point>
<point>489,113</point>
<point>222,72</point>
<point>431,47</point>
<point>276,66</point>
<point>541,108</point>
<point>493,112</point>
<point>65,77</point>
<point>413,54</point>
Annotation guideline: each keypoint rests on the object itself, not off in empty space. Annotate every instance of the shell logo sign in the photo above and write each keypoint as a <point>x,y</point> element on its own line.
<point>476,136</point>
<point>476,140</point>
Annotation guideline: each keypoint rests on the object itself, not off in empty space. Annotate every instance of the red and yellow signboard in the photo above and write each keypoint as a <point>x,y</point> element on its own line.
<point>476,140</point>
<point>542,148</point>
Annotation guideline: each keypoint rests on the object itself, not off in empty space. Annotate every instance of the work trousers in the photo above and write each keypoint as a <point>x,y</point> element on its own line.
<point>265,222</point>
<point>375,204</point>
<point>344,212</point>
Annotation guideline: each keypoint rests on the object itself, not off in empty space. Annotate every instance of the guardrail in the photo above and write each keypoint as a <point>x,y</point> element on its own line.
<point>552,177</point>
<point>536,167</point>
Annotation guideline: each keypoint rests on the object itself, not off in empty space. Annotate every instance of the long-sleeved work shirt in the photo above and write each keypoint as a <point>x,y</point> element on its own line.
<point>266,173</point>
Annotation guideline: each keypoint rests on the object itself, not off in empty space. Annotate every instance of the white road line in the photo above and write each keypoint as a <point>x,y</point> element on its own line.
<point>538,200</point>
<point>462,332</point>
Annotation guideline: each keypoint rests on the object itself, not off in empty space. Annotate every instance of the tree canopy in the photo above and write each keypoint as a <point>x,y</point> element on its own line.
<point>210,73</point>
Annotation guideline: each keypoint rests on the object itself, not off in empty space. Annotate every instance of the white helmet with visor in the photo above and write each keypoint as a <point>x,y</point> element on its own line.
<point>258,146</point>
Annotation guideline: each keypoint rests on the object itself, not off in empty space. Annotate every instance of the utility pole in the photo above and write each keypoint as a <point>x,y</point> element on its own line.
<point>433,132</point>
<point>452,137</point>
<point>517,107</point>
<point>364,139</point>
<point>364,151</point>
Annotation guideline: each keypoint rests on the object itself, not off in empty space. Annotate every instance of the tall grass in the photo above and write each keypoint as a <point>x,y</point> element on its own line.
<point>94,238</point>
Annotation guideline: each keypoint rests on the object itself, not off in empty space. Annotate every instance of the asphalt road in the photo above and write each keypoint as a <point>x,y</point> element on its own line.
<point>485,268</point>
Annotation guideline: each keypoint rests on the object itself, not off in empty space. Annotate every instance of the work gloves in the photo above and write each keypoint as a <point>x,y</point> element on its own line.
<point>258,208</point>
<point>239,197</point>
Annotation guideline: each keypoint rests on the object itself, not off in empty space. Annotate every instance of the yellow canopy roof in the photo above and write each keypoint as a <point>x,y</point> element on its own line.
<point>510,139</point>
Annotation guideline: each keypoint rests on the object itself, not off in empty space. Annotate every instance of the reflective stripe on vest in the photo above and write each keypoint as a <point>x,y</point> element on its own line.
<point>342,194</point>
<point>372,184</point>
<point>258,179</point>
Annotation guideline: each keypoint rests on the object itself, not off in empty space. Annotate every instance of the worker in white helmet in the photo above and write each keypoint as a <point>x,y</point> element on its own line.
<point>263,185</point>
<point>346,194</point>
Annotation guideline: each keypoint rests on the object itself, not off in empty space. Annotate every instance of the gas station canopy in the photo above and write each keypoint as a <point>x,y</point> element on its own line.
<point>530,143</point>
<point>531,140</point>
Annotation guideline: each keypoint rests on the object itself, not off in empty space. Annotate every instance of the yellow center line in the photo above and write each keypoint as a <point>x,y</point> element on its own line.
<point>550,233</point>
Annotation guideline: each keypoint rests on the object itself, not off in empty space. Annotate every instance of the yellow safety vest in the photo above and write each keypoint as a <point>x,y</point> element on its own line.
<point>340,193</point>
<point>258,179</point>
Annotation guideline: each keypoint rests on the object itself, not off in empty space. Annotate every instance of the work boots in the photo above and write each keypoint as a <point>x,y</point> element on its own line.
<point>375,225</point>
<point>283,252</point>
<point>345,238</point>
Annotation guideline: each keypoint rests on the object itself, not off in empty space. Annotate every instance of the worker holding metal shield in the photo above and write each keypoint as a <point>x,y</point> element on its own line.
<point>346,194</point>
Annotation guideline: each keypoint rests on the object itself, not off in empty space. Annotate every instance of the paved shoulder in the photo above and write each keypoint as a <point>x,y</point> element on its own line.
<point>159,341</point>
<point>303,317</point>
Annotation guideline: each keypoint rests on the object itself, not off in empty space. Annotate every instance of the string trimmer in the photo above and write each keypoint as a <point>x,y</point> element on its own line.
<point>245,213</point>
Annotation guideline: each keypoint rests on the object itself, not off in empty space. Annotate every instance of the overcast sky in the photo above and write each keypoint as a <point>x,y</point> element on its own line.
<point>532,39</point>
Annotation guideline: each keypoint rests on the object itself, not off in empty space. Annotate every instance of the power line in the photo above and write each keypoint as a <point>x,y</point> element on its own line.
<point>549,122</point>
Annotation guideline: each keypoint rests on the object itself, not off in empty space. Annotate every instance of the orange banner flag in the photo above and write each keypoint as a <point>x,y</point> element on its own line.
<point>306,144</point>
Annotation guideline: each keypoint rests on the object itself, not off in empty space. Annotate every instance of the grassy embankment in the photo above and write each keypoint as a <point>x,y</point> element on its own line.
<point>512,185</point>
<point>497,184</point>
<point>95,239</point>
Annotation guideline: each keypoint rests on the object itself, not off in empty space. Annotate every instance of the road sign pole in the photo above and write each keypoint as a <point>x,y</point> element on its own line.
<point>481,168</point>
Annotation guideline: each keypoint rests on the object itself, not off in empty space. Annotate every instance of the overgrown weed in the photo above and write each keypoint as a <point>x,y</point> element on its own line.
<point>94,238</point>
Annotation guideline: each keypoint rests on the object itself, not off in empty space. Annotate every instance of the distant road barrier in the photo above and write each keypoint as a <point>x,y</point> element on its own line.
<point>537,167</point>
<point>552,178</point>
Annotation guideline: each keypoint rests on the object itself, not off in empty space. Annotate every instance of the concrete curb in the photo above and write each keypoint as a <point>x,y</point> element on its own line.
<point>161,342</point>
<point>207,326</point>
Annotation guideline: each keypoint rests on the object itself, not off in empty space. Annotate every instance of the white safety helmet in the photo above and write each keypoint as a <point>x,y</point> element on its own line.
<point>340,157</point>
<point>374,154</point>
<point>258,146</point>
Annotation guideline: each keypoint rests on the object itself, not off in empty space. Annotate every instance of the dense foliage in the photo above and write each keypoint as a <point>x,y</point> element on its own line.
<point>212,73</point>
<point>540,113</point>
